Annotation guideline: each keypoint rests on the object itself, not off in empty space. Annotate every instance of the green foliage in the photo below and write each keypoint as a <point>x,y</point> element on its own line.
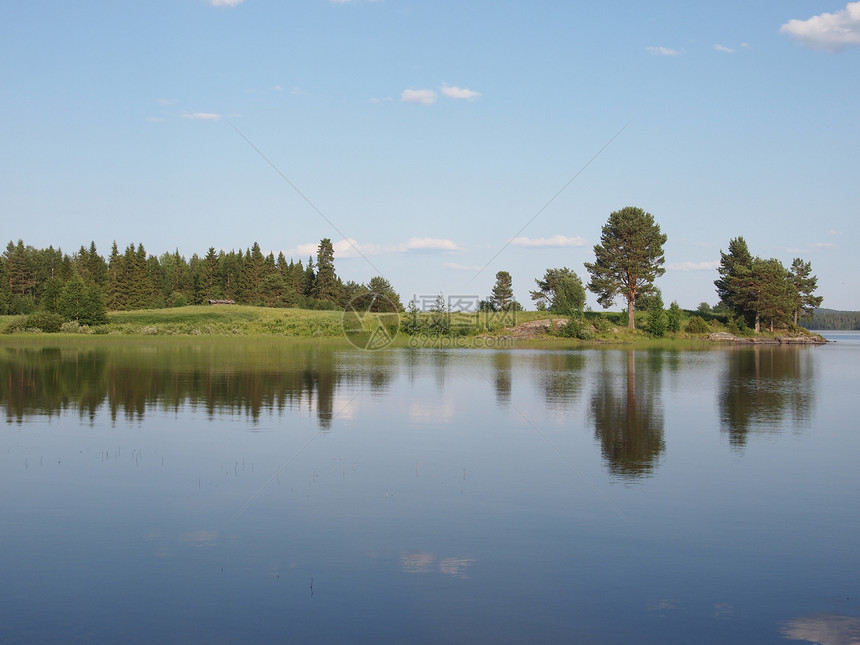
<point>503,293</point>
<point>804,283</point>
<point>833,319</point>
<point>387,300</point>
<point>763,291</point>
<point>697,325</point>
<point>738,326</point>
<point>44,321</point>
<point>628,259</point>
<point>440,316</point>
<point>657,320</point>
<point>560,291</point>
<point>325,286</point>
<point>577,327</point>
<point>704,308</point>
<point>81,302</point>
<point>673,317</point>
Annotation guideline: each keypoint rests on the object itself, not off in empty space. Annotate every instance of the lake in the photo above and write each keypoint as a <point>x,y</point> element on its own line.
<point>255,492</point>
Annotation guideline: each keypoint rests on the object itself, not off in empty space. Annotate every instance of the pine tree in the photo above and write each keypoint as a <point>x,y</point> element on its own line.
<point>503,293</point>
<point>628,259</point>
<point>804,284</point>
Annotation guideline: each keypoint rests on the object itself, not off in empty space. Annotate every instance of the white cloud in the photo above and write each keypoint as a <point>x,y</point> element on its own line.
<point>298,91</point>
<point>548,242</point>
<point>166,102</point>
<point>350,248</point>
<point>202,116</point>
<point>340,1</point>
<point>723,48</point>
<point>823,245</point>
<point>663,51</point>
<point>278,88</point>
<point>224,3</point>
<point>692,266</point>
<point>832,232</point>
<point>428,244</point>
<point>423,97</point>
<point>154,119</point>
<point>461,267</point>
<point>827,31</point>
<point>454,92</point>
<point>384,99</point>
<point>346,248</point>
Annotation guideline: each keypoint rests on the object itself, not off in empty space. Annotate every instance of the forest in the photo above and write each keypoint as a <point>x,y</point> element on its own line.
<point>48,279</point>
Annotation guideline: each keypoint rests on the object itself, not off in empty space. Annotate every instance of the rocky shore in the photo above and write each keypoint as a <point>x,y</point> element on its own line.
<point>781,340</point>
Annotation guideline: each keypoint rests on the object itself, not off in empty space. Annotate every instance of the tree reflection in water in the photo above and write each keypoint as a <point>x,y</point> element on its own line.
<point>627,415</point>
<point>128,380</point>
<point>761,386</point>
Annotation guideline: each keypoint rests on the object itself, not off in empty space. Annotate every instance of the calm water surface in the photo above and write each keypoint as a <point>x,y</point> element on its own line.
<point>273,492</point>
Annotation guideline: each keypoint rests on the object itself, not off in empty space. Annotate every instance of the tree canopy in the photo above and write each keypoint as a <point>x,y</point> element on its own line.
<point>560,291</point>
<point>763,291</point>
<point>628,259</point>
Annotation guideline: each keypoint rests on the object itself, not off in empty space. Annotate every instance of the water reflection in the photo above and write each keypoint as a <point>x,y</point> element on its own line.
<point>825,629</point>
<point>561,378</point>
<point>502,371</point>
<point>627,414</point>
<point>222,379</point>
<point>761,387</point>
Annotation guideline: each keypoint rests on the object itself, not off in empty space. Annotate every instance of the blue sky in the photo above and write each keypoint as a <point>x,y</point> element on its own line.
<point>429,133</point>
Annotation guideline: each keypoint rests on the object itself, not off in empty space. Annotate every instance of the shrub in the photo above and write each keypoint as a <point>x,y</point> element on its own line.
<point>602,325</point>
<point>697,325</point>
<point>576,327</point>
<point>44,321</point>
<point>738,326</point>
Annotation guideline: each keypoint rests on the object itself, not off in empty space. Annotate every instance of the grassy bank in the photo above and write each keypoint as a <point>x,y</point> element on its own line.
<point>246,321</point>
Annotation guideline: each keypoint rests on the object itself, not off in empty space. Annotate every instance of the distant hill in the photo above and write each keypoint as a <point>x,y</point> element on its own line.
<point>833,319</point>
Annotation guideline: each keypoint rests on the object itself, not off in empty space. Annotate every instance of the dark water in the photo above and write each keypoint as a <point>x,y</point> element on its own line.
<point>265,492</point>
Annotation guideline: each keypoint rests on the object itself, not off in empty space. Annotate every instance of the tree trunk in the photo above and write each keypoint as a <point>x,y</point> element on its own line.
<point>631,323</point>
<point>757,323</point>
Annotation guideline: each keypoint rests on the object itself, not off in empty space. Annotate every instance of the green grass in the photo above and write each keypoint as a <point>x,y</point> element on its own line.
<point>244,321</point>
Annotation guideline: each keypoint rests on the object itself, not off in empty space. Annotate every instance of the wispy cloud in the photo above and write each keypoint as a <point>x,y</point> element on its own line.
<point>422,97</point>
<point>154,119</point>
<point>352,248</point>
<point>454,92</point>
<point>723,48</point>
<point>277,88</point>
<point>832,232</point>
<point>663,51</point>
<point>166,102</point>
<point>823,245</point>
<point>224,3</point>
<point>202,116</point>
<point>827,31</point>
<point>428,244</point>
<point>461,267</point>
<point>548,242</point>
<point>384,99</point>
<point>692,266</point>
